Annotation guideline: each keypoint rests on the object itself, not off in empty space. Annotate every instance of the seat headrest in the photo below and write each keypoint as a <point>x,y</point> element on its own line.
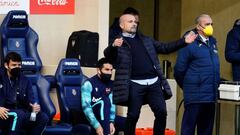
<point>16,19</point>
<point>29,66</point>
<point>70,67</point>
<point>15,24</point>
<point>69,71</point>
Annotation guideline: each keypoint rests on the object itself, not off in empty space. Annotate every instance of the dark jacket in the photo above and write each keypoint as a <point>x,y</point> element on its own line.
<point>122,58</point>
<point>18,96</point>
<point>115,29</point>
<point>197,71</point>
<point>232,51</point>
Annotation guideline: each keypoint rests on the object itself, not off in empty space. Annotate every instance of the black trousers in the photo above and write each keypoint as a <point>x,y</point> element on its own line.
<point>151,94</point>
<point>23,123</point>
<point>198,115</point>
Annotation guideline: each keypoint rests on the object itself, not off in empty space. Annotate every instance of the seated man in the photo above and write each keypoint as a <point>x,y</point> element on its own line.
<point>97,99</point>
<point>18,106</point>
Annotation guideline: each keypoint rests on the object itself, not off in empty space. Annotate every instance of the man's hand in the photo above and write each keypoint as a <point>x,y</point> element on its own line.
<point>35,107</point>
<point>99,130</point>
<point>3,113</point>
<point>190,37</point>
<point>118,42</point>
<point>112,129</point>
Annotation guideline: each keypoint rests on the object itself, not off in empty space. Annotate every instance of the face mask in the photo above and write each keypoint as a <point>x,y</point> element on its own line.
<point>105,77</point>
<point>15,72</point>
<point>208,30</point>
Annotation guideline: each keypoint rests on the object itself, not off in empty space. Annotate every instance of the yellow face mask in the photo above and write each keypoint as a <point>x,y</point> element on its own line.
<point>208,30</point>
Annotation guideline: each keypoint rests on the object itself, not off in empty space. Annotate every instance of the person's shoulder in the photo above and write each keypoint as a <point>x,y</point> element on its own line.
<point>2,71</point>
<point>235,31</point>
<point>144,37</point>
<point>91,80</point>
<point>214,40</point>
<point>192,46</point>
<point>193,30</point>
<point>24,78</point>
<point>115,23</point>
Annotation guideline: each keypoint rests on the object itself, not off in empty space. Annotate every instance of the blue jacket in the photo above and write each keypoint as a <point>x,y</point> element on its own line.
<point>18,96</point>
<point>97,102</point>
<point>197,71</point>
<point>232,51</point>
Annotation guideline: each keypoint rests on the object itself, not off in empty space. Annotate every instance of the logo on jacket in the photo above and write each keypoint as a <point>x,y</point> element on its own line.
<point>96,99</point>
<point>96,89</point>
<point>215,49</point>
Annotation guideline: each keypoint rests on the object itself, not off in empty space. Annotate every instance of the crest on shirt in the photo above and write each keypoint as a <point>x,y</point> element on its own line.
<point>215,49</point>
<point>96,89</point>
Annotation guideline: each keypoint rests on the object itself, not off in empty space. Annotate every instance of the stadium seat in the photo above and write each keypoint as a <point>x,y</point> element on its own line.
<point>18,36</point>
<point>41,88</point>
<point>69,78</point>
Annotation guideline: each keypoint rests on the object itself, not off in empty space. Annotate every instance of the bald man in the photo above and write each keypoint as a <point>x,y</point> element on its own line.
<point>139,79</point>
<point>197,72</point>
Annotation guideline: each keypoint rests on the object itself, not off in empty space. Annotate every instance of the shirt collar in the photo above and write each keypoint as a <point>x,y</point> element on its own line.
<point>203,38</point>
<point>130,35</point>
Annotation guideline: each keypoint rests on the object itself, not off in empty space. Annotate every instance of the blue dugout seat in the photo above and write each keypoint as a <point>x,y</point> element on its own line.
<point>18,36</point>
<point>41,88</point>
<point>69,78</point>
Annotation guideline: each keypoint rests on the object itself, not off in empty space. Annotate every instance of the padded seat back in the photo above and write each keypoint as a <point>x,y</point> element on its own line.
<point>40,86</point>
<point>18,36</point>
<point>69,78</point>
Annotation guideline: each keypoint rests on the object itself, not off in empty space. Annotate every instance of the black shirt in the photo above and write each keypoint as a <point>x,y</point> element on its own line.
<point>142,66</point>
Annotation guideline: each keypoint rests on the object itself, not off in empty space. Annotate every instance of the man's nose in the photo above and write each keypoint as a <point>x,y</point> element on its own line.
<point>109,72</point>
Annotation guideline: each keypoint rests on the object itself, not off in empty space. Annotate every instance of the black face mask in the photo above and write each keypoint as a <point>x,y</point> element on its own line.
<point>105,77</point>
<point>15,72</point>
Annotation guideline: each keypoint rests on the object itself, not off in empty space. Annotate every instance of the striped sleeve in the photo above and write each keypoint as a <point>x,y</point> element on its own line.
<point>112,109</point>
<point>86,90</point>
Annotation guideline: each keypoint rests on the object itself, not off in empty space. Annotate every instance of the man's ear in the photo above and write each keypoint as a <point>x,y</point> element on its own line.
<point>5,65</point>
<point>197,27</point>
<point>121,25</point>
<point>98,71</point>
